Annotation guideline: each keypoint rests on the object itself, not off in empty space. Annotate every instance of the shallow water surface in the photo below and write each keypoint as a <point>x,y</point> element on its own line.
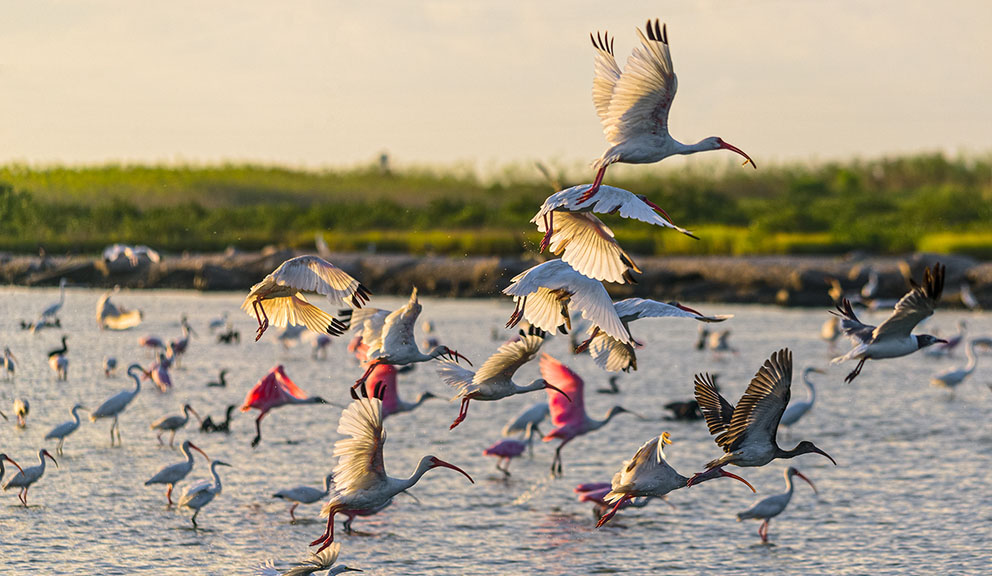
<point>910,494</point>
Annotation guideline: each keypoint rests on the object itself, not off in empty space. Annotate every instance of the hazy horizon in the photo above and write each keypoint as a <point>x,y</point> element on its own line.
<point>317,84</point>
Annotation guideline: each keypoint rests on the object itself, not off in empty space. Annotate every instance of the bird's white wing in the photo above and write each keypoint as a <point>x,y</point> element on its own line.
<point>457,377</point>
<point>397,329</point>
<point>588,246</point>
<point>612,355</point>
<point>296,310</point>
<point>648,464</point>
<point>359,456</point>
<point>635,308</point>
<point>533,414</point>
<point>643,95</point>
<point>607,72</point>
<point>918,304</point>
<point>509,358</point>
<point>193,490</point>
<point>314,274</point>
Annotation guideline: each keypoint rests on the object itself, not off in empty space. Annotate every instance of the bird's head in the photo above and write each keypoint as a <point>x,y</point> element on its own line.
<point>220,463</point>
<point>319,400</point>
<point>924,340</point>
<point>50,457</point>
<point>435,462</point>
<point>793,471</point>
<point>806,447</point>
<point>192,446</point>
<point>426,396</point>
<point>717,143</point>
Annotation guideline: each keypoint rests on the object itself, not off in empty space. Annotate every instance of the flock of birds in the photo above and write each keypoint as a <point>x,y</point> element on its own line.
<point>633,105</point>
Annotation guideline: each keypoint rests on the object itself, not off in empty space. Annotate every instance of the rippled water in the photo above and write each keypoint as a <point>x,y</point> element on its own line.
<point>911,493</point>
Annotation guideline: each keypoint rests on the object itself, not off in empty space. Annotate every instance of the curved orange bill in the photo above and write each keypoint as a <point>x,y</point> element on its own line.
<point>736,477</point>
<point>439,462</point>
<point>733,148</point>
<point>558,390</point>
<point>50,457</point>
<point>197,448</point>
<point>11,460</point>
<point>808,481</point>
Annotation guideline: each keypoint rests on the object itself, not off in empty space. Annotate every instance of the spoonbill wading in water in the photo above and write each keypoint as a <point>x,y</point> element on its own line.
<point>772,506</point>
<point>175,473</point>
<point>28,476</point>
<point>892,338</point>
<point>360,476</point>
<point>273,390</point>
<point>747,433</point>
<point>494,380</point>
<point>281,294</point>
<point>633,104</point>
<point>649,474</point>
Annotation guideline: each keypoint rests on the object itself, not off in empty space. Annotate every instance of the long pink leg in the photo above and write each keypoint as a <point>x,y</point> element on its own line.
<point>609,515</point>
<point>291,509</point>
<point>549,223</point>
<point>168,494</point>
<point>595,186</point>
<point>462,413</point>
<point>328,536</point>
<point>368,371</point>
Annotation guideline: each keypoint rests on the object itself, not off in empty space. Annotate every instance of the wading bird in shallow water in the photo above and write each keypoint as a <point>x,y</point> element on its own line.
<point>773,505</point>
<point>509,448</point>
<point>797,409</point>
<point>8,364</point>
<point>584,241</point>
<point>361,483</point>
<point>649,474</point>
<point>531,416</point>
<point>174,473</point>
<point>28,476</point>
<point>304,495</point>
<point>747,433</point>
<point>273,390</point>
<point>568,413</point>
<point>173,423</point>
<point>49,314</point>
<point>281,294</point>
<point>113,406</point>
<point>633,104</point>
<point>951,378</point>
<point>323,560</point>
<point>494,380</point>
<point>390,340</point>
<point>21,409</point>
<point>892,338</point>
<point>203,492</point>
<point>66,428</point>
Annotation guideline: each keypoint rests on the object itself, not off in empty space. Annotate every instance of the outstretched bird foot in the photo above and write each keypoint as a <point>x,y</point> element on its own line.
<point>609,515</point>
<point>589,193</point>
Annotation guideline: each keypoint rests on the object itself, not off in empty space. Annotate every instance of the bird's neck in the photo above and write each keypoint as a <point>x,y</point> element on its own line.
<point>422,468</point>
<point>213,470</point>
<point>328,480</point>
<point>683,149</point>
<point>788,484</point>
<point>812,390</point>
<point>75,414</point>
<point>972,357</point>
<point>536,385</point>
<point>595,424</point>
<point>189,455</point>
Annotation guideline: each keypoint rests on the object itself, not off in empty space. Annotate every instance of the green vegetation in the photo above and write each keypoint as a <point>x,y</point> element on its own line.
<point>925,202</point>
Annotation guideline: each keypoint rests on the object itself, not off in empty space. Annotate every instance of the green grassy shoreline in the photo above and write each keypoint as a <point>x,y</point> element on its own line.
<point>925,202</point>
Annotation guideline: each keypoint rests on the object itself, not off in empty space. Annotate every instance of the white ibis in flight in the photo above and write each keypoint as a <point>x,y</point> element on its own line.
<point>323,560</point>
<point>893,337</point>
<point>747,433</point>
<point>772,506</point>
<point>360,476</point>
<point>281,294</point>
<point>633,104</point>
<point>649,474</point>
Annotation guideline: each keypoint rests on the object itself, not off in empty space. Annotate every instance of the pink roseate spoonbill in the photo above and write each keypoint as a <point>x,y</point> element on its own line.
<point>612,355</point>
<point>568,413</point>
<point>21,409</point>
<point>509,448</point>
<point>588,244</point>
<point>951,378</point>
<point>893,337</point>
<point>385,375</point>
<point>180,345</point>
<point>304,495</point>
<point>281,294</point>
<point>317,562</point>
<point>772,506</point>
<point>360,476</point>
<point>596,492</point>
<point>273,390</point>
<point>49,314</point>
<point>8,459</point>
<point>649,474</point>
<point>172,423</point>
<point>633,105</point>
<point>747,433</point>
<point>66,428</point>
<point>151,343</point>
<point>395,343</point>
<point>175,473</point>
<point>551,289</point>
<point>494,380</point>
<point>28,476</point>
<point>796,410</point>
<point>202,493</point>
<point>8,364</point>
<point>159,373</point>
<point>113,406</point>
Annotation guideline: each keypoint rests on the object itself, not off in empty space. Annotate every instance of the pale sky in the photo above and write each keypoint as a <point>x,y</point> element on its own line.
<point>333,83</point>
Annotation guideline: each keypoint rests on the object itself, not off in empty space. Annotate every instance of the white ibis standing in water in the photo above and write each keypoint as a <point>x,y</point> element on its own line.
<point>113,406</point>
<point>28,476</point>
<point>203,492</point>
<point>583,241</point>
<point>649,474</point>
<point>394,342</point>
<point>951,378</point>
<point>797,409</point>
<point>633,104</point>
<point>175,473</point>
<point>304,495</point>
<point>361,483</point>
<point>173,423</point>
<point>772,506</point>
<point>21,409</point>
<point>66,428</point>
<point>50,313</point>
<point>747,433</point>
<point>568,413</point>
<point>494,380</point>
<point>281,294</point>
<point>893,337</point>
